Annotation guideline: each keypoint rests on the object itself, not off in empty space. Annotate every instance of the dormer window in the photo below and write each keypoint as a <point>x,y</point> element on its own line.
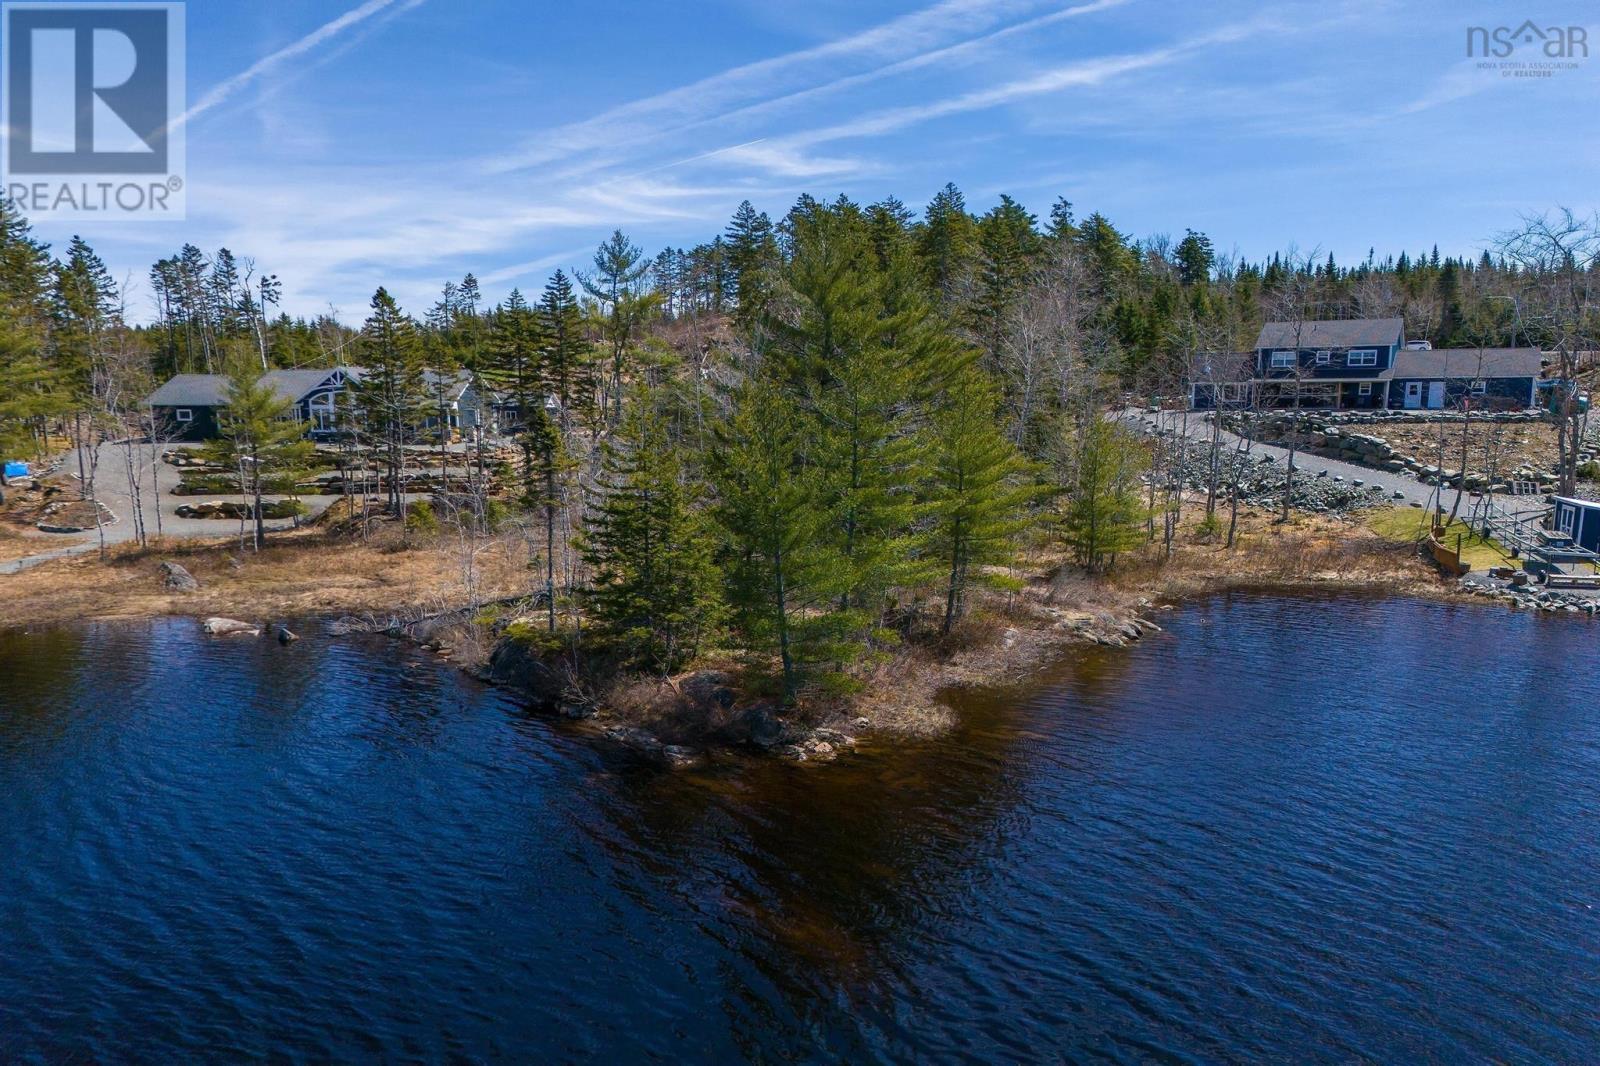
<point>1283,360</point>
<point>1324,357</point>
<point>1362,357</point>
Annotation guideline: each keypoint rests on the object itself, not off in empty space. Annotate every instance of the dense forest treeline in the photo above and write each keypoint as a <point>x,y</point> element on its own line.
<point>811,435</point>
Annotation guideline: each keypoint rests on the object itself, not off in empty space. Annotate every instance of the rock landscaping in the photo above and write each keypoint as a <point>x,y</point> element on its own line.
<point>1261,481</point>
<point>1328,435</point>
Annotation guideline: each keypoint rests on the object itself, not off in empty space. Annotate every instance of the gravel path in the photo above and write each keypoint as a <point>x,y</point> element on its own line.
<point>1403,487</point>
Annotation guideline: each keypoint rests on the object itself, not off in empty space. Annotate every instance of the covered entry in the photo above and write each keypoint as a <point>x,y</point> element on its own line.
<point>1420,394</point>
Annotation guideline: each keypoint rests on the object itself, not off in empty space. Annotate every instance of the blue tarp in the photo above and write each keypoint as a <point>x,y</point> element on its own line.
<point>16,469</point>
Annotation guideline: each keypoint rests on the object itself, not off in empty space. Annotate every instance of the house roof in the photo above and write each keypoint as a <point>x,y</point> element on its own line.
<point>211,390</point>
<point>455,383</point>
<point>1468,363</point>
<point>1222,367</point>
<point>1335,333</point>
<point>190,390</point>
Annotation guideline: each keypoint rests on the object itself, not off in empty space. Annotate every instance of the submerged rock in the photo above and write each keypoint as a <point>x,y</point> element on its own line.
<point>286,636</point>
<point>676,757</point>
<point>641,741</point>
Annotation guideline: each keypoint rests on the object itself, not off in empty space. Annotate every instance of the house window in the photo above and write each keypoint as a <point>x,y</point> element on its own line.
<point>183,414</point>
<point>1324,357</point>
<point>1282,360</point>
<point>1480,387</point>
<point>1362,357</point>
<point>1364,389</point>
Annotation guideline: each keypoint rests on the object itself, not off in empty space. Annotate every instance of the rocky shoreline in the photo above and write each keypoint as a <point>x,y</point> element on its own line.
<point>707,714</point>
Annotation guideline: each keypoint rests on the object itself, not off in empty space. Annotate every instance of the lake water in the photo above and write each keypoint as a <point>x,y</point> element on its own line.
<point>1297,830</point>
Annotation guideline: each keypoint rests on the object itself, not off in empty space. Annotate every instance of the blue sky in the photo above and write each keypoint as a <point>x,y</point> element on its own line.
<point>344,145</point>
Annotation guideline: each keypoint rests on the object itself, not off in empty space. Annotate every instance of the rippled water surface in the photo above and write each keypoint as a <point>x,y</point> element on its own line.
<point>1296,830</point>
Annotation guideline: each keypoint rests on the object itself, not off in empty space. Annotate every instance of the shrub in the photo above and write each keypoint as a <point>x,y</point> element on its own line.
<point>420,517</point>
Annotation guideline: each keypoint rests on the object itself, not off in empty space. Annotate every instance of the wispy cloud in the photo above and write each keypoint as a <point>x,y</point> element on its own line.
<point>790,157</point>
<point>928,28</point>
<point>265,66</point>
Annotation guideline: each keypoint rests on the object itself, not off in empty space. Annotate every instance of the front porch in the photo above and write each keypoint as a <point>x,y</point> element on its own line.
<point>1354,394</point>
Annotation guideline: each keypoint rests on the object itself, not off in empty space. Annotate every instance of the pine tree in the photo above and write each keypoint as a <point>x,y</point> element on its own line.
<point>35,392</point>
<point>752,252</point>
<point>617,284</point>
<point>848,360</point>
<point>390,396</point>
<point>980,491</point>
<point>1195,258</point>
<point>25,271</point>
<point>656,587</point>
<point>568,367</point>
<point>1104,514</point>
<point>948,242</point>
<point>1008,245</point>
<point>782,566</point>
<point>515,369</point>
<point>261,444</point>
<point>85,303</point>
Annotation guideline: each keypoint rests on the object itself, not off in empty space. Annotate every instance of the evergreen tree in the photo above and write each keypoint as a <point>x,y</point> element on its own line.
<point>261,444</point>
<point>656,587</point>
<point>1195,258</point>
<point>889,227</point>
<point>35,392</point>
<point>782,566</point>
<point>1104,514</point>
<point>752,252</point>
<point>1110,255</point>
<point>1008,245</point>
<point>390,396</point>
<point>568,368</point>
<point>85,305</point>
<point>1062,225</point>
<point>858,385</point>
<point>25,271</point>
<point>620,270</point>
<point>980,491</point>
<point>948,243</point>
<point>515,370</point>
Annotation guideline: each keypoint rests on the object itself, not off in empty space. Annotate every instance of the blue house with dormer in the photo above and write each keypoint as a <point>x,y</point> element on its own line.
<point>1340,363</point>
<point>1364,363</point>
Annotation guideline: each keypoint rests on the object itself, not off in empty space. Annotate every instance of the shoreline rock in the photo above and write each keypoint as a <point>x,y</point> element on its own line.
<point>230,627</point>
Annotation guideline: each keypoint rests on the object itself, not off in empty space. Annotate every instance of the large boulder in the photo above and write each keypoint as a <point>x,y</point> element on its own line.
<point>518,664</point>
<point>762,726</point>
<point>177,578</point>
<point>230,627</point>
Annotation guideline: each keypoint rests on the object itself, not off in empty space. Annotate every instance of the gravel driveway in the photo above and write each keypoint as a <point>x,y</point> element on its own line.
<point>112,484</point>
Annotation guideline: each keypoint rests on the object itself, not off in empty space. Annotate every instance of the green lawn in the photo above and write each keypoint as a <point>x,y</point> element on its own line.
<point>1409,525</point>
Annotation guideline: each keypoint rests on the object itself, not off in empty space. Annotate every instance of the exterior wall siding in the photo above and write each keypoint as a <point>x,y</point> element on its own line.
<point>1504,390</point>
<point>1336,366</point>
<point>204,426</point>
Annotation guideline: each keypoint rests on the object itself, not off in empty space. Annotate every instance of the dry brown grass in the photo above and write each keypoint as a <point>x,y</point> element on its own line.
<point>1531,444</point>
<point>294,575</point>
<point>1308,551</point>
